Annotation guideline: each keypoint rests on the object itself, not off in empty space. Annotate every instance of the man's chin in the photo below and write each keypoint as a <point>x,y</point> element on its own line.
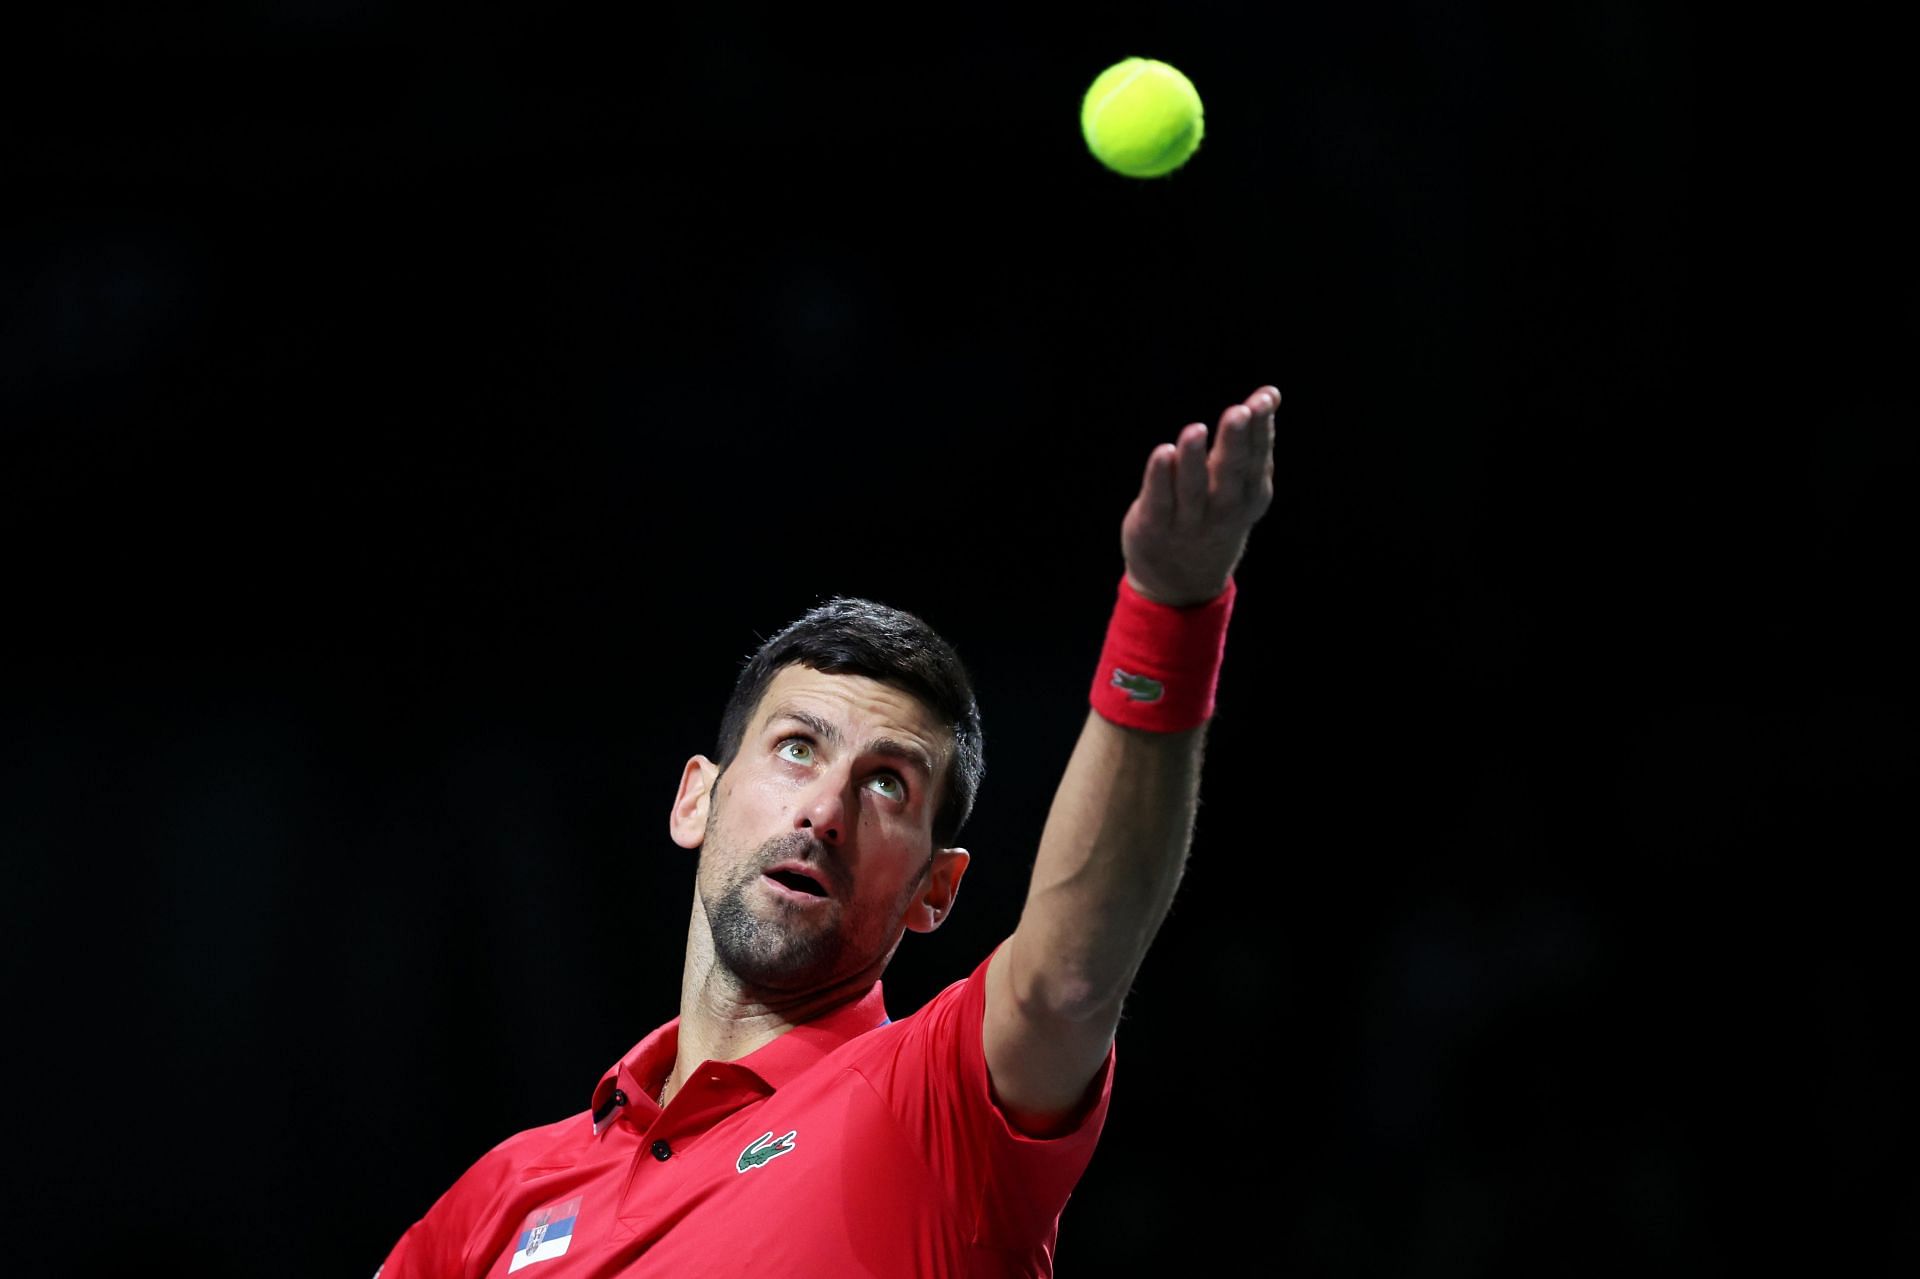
<point>773,954</point>
<point>786,972</point>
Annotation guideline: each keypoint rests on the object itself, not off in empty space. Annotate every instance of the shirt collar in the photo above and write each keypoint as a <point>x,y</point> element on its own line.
<point>639,1072</point>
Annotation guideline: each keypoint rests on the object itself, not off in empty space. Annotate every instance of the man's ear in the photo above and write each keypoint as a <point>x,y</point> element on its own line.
<point>935,902</point>
<point>688,821</point>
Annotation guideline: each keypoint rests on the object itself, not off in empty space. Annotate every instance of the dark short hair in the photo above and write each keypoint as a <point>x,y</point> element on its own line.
<point>859,637</point>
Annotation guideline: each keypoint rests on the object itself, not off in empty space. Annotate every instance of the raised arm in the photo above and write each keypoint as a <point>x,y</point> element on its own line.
<point>1116,838</point>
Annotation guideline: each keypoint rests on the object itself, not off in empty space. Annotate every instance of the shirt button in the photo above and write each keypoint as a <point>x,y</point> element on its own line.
<point>662,1151</point>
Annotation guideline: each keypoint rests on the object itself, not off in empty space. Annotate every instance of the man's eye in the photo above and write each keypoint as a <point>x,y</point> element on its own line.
<point>889,786</point>
<point>800,752</point>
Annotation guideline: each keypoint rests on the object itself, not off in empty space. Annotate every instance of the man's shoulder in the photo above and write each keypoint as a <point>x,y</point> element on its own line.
<point>944,1016</point>
<point>554,1145</point>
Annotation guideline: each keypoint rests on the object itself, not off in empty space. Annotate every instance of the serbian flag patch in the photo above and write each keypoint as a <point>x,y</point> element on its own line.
<point>545,1234</point>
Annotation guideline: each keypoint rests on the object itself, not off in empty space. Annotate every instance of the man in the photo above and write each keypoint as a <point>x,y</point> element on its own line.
<point>783,1125</point>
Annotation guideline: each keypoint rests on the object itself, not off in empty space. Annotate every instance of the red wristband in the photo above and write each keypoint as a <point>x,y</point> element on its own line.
<point>1161,664</point>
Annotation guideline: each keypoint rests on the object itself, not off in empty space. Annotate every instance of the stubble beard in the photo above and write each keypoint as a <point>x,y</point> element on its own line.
<point>784,953</point>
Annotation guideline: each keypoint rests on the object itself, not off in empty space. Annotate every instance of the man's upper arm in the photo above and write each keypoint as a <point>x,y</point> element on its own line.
<point>1043,1068</point>
<point>436,1246</point>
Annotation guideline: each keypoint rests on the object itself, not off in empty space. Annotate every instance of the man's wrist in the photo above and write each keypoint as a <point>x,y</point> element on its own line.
<point>1160,665</point>
<point>1156,593</point>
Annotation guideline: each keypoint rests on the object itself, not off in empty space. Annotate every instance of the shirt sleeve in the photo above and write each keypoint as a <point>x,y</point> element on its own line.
<point>433,1247</point>
<point>462,1233</point>
<point>1010,1186</point>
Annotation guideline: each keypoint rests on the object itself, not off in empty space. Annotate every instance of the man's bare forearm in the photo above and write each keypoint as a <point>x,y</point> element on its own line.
<point>1116,840</point>
<point>1109,861</point>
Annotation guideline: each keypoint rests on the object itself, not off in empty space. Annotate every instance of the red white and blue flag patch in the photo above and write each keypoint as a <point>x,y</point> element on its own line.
<point>545,1234</point>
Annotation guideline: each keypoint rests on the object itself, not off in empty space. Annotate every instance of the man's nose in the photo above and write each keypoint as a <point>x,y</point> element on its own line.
<point>826,809</point>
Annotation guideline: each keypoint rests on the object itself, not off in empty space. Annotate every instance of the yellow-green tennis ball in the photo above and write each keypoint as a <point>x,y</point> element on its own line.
<point>1142,118</point>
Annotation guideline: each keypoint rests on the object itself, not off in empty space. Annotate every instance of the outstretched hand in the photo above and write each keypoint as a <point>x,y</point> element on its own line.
<point>1185,532</point>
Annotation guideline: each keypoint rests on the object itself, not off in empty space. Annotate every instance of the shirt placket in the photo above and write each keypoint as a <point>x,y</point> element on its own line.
<point>670,1162</point>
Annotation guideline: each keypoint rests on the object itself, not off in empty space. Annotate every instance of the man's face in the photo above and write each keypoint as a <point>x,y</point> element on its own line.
<point>816,847</point>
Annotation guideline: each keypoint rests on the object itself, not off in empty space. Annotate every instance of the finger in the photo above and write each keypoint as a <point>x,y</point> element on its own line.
<point>1265,403</point>
<point>1232,457</point>
<point>1190,473</point>
<point>1156,486</point>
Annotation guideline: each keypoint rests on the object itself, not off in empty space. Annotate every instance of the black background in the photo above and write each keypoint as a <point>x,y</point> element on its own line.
<point>413,418</point>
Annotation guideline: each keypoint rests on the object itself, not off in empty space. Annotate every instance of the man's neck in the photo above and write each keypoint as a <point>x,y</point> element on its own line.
<point>721,1019</point>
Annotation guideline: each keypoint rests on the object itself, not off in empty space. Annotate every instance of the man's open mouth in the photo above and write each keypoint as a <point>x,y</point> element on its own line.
<point>799,880</point>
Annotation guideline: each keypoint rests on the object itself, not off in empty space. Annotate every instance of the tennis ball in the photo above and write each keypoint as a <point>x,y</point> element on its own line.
<point>1141,118</point>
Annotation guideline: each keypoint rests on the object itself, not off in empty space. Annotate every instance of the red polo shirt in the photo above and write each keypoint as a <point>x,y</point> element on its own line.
<point>848,1146</point>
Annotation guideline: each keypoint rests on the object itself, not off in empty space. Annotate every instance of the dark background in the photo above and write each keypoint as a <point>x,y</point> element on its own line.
<point>411,419</point>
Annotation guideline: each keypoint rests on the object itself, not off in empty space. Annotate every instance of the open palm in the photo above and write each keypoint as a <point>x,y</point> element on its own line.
<point>1185,532</point>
